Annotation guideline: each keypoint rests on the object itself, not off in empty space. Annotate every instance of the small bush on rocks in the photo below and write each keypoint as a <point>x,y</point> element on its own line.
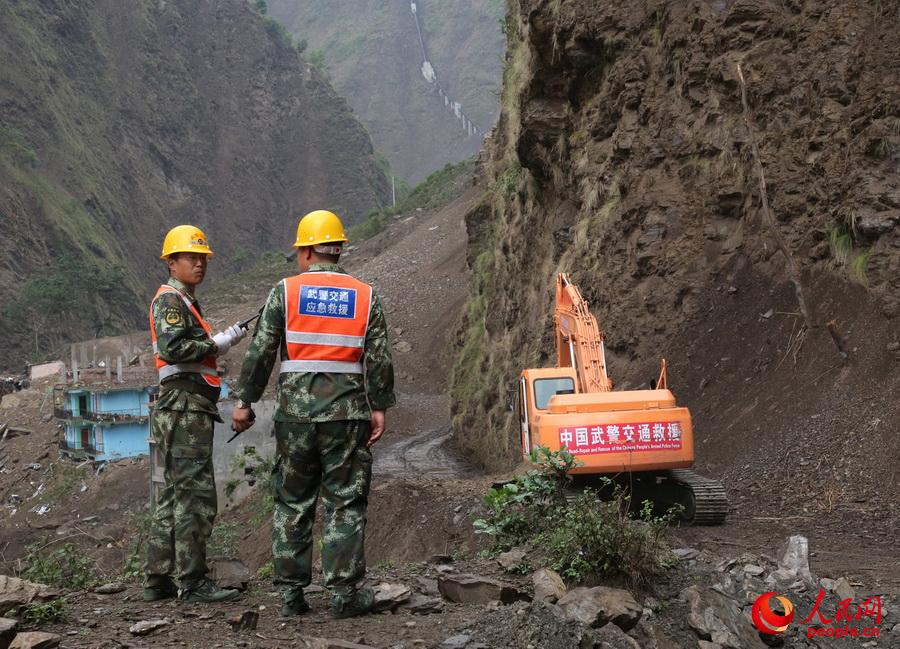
<point>257,471</point>
<point>64,567</point>
<point>39,614</point>
<point>139,526</point>
<point>582,537</point>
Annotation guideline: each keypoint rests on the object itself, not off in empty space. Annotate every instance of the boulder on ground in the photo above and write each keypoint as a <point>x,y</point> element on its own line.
<point>509,560</point>
<point>717,618</point>
<point>329,643</point>
<point>794,556</point>
<point>146,627</point>
<point>612,637</point>
<point>8,628</point>
<point>473,589</point>
<point>36,640</point>
<point>598,606</point>
<point>15,592</point>
<point>230,573</point>
<point>389,596</point>
<point>420,604</point>
<point>548,586</point>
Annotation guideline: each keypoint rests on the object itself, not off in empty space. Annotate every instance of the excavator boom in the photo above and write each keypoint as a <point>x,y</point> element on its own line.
<point>579,341</point>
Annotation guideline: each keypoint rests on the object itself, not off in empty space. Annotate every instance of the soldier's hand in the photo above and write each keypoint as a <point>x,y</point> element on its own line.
<point>237,332</point>
<point>377,427</point>
<point>242,419</point>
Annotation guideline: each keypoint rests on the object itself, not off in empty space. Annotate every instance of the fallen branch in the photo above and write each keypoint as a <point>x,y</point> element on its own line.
<point>768,219</point>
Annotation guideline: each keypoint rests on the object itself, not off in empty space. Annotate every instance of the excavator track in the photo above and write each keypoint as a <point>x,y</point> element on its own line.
<point>704,500</point>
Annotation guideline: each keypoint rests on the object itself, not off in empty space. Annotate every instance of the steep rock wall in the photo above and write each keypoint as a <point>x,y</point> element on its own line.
<point>624,156</point>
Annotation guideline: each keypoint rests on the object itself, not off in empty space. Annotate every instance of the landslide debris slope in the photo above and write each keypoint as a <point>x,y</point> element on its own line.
<point>372,53</point>
<point>624,155</point>
<point>119,120</point>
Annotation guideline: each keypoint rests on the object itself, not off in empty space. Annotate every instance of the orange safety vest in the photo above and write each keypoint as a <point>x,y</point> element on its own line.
<point>208,368</point>
<point>326,317</point>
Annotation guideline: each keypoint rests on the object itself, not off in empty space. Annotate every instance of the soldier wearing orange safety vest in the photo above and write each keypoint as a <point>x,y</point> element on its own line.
<point>336,382</point>
<point>181,425</point>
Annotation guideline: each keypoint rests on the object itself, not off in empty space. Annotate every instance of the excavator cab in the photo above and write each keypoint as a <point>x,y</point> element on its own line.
<point>608,432</point>
<point>643,434</point>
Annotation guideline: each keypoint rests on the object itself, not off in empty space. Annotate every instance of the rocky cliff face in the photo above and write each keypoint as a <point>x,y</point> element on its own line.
<point>372,52</point>
<point>119,120</point>
<point>692,165</point>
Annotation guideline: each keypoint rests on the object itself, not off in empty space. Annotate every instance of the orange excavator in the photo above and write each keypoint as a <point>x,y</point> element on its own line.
<point>640,437</point>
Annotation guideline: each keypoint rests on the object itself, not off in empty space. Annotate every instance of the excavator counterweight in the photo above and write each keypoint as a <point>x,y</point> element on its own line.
<point>641,434</point>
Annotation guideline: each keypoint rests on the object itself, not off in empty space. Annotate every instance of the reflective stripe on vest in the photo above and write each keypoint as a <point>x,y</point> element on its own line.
<point>325,339</point>
<point>326,317</point>
<point>168,370</point>
<point>335,367</point>
<point>207,368</point>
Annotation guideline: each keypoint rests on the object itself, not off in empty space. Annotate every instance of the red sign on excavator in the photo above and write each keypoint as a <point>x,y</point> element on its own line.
<point>614,438</point>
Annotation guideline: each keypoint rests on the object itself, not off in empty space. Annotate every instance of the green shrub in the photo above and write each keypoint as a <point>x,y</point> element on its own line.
<point>582,538</point>
<point>518,507</point>
<point>841,243</point>
<point>860,264</point>
<point>39,614</point>
<point>439,188</point>
<point>508,183</point>
<point>375,222</point>
<point>257,472</point>
<point>71,297</point>
<point>316,59</point>
<point>15,147</point>
<point>64,567</point>
<point>139,526</point>
<point>223,540</point>
<point>278,31</point>
<point>266,570</point>
<point>62,481</point>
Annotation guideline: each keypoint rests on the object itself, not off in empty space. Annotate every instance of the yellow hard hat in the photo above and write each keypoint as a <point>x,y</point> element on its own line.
<point>318,227</point>
<point>185,238</point>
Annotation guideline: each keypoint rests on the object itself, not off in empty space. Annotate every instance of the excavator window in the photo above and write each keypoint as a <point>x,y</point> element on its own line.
<point>546,388</point>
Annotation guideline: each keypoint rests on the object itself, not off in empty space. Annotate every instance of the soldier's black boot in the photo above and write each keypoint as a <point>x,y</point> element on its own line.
<point>205,591</point>
<point>293,602</point>
<point>352,603</point>
<point>158,588</point>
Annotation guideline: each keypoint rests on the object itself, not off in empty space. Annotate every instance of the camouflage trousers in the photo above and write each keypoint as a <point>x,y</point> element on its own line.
<point>186,508</point>
<point>330,457</point>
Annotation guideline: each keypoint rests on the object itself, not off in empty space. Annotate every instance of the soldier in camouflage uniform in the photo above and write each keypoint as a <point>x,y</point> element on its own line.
<point>181,426</point>
<point>336,382</point>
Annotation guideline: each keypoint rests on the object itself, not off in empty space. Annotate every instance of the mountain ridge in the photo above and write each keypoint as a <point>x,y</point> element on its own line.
<point>119,121</point>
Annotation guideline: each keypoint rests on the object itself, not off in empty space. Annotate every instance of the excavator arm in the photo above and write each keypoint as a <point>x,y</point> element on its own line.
<point>579,342</point>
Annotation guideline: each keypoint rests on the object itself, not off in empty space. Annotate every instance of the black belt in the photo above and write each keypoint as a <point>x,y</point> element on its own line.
<point>176,383</point>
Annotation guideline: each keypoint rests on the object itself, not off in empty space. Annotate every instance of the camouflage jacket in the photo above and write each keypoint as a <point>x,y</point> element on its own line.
<point>309,397</point>
<point>179,339</point>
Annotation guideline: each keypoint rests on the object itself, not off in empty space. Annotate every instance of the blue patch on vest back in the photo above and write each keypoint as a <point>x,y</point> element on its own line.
<point>328,302</point>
